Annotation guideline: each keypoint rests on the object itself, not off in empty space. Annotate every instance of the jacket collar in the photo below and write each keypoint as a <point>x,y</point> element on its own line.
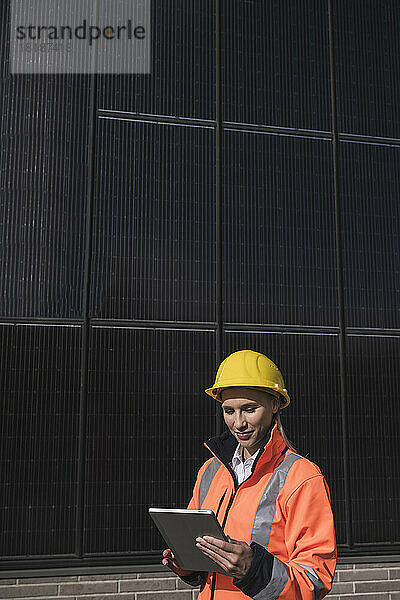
<point>223,446</point>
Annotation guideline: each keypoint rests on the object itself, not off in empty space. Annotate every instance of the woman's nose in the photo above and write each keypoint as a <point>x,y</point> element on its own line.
<point>240,421</point>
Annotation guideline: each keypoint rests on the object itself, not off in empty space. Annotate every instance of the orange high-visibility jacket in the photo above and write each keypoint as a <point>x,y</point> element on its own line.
<point>282,510</point>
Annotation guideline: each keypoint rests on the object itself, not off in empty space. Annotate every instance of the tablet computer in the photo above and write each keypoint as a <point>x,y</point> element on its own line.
<point>180,528</point>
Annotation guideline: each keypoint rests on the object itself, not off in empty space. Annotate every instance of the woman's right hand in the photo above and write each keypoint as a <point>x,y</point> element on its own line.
<point>169,561</point>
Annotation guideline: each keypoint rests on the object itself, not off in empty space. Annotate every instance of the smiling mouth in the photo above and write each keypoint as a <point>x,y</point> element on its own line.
<point>244,434</point>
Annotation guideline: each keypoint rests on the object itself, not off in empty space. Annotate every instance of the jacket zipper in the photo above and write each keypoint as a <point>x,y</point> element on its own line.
<point>236,486</point>
<point>231,499</point>
<point>220,503</point>
<point>214,574</point>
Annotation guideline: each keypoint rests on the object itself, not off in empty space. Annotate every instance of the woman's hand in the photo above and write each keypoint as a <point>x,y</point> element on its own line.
<point>170,562</point>
<point>234,556</point>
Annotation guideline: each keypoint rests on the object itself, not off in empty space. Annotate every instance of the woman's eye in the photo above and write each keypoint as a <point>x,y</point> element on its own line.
<point>250,409</point>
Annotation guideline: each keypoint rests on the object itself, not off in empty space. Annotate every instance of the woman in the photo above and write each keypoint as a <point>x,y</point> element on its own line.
<point>273,504</point>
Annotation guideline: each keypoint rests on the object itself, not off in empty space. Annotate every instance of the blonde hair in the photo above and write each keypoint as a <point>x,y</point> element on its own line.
<point>283,434</point>
<point>278,419</point>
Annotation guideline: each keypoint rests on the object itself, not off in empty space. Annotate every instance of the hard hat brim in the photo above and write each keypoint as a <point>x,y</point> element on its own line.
<point>282,392</point>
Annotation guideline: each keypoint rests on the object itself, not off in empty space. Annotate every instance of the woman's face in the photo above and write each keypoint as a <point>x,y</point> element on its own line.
<point>248,413</point>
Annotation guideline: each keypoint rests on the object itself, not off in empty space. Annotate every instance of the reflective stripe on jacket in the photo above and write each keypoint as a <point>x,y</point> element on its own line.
<point>284,506</point>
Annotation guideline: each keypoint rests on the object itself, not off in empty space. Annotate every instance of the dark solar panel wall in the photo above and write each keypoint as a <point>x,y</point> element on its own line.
<point>40,381</point>
<point>275,68</point>
<point>182,78</point>
<point>370,191</point>
<point>367,67</point>
<point>154,243</point>
<point>44,187</point>
<point>279,230</point>
<point>244,194</point>
<point>373,381</point>
<point>146,424</point>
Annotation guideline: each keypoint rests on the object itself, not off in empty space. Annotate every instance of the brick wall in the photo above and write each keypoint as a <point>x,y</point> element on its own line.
<point>373,581</point>
<point>378,581</point>
<point>132,586</point>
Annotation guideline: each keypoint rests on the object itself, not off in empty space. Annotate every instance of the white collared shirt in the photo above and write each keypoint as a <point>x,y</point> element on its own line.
<point>242,469</point>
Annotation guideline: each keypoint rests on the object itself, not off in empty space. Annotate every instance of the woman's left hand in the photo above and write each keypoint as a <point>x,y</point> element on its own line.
<point>234,556</point>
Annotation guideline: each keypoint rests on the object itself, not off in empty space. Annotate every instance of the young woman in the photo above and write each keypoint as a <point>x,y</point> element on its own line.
<point>273,504</point>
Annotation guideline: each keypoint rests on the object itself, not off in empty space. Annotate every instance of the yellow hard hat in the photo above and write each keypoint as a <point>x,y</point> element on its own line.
<point>246,368</point>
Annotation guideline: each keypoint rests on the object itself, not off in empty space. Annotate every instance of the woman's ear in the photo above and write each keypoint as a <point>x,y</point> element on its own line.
<point>275,405</point>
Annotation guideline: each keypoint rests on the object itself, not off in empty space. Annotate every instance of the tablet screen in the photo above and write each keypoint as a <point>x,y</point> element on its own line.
<point>180,528</point>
